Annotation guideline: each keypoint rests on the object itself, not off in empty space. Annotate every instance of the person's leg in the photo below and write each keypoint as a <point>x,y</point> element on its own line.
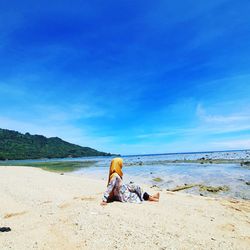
<point>151,198</point>
<point>157,196</point>
<point>136,189</point>
<point>154,197</point>
<point>143,195</point>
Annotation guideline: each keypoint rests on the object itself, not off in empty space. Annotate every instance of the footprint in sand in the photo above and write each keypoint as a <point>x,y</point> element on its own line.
<point>9,215</point>
<point>85,198</point>
<point>45,202</point>
<point>238,206</point>
<point>64,205</point>
<point>228,227</point>
<point>82,198</point>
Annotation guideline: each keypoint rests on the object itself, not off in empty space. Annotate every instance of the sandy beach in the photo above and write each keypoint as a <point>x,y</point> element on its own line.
<point>48,210</point>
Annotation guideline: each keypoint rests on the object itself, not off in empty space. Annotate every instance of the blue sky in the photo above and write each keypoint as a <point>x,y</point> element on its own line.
<point>128,77</point>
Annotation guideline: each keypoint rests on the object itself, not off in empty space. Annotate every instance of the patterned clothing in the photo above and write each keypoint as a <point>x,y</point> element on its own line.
<point>123,192</point>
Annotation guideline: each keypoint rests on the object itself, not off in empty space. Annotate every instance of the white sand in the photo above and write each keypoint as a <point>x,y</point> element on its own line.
<point>52,211</point>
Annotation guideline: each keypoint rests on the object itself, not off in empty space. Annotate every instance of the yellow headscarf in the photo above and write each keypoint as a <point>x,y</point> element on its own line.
<point>115,167</point>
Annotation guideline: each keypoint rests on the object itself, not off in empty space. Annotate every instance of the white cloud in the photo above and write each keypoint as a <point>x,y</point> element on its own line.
<point>202,114</point>
<point>217,123</point>
<point>232,144</point>
<point>207,124</point>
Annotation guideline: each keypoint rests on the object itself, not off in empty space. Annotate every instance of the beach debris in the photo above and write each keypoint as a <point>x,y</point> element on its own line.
<point>185,186</point>
<point>5,229</point>
<point>158,179</point>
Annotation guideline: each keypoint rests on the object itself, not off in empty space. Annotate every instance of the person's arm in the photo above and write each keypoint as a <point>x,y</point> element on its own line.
<point>110,188</point>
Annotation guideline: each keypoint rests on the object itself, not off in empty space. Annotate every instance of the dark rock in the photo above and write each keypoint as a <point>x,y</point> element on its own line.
<point>5,229</point>
<point>245,163</point>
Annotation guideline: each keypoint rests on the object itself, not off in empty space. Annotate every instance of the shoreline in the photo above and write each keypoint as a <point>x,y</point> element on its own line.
<point>46,210</point>
<point>29,162</point>
<point>215,157</point>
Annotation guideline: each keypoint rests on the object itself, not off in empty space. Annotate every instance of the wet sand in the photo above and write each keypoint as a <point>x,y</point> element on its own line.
<point>51,211</point>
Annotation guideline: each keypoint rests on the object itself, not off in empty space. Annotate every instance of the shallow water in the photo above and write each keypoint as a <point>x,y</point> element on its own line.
<point>173,174</point>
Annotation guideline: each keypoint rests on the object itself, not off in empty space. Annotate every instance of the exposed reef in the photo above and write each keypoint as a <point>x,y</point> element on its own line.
<point>202,187</point>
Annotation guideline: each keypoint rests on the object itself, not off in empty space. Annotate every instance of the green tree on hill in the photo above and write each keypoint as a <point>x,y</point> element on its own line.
<point>17,146</point>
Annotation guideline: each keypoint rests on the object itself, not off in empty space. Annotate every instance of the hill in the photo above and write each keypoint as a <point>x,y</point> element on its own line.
<point>17,146</point>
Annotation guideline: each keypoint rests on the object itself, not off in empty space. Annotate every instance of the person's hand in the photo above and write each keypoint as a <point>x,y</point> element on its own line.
<point>103,203</point>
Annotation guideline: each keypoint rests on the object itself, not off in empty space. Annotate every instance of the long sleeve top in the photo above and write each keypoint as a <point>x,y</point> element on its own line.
<point>123,192</point>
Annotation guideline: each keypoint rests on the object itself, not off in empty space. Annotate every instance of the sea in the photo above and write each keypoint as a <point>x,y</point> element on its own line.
<point>167,171</point>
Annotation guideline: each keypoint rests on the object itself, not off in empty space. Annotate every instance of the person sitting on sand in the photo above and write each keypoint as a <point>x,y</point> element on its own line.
<point>117,191</point>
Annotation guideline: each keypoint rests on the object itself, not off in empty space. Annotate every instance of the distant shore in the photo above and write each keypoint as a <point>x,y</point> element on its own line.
<point>52,211</point>
<point>233,156</point>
